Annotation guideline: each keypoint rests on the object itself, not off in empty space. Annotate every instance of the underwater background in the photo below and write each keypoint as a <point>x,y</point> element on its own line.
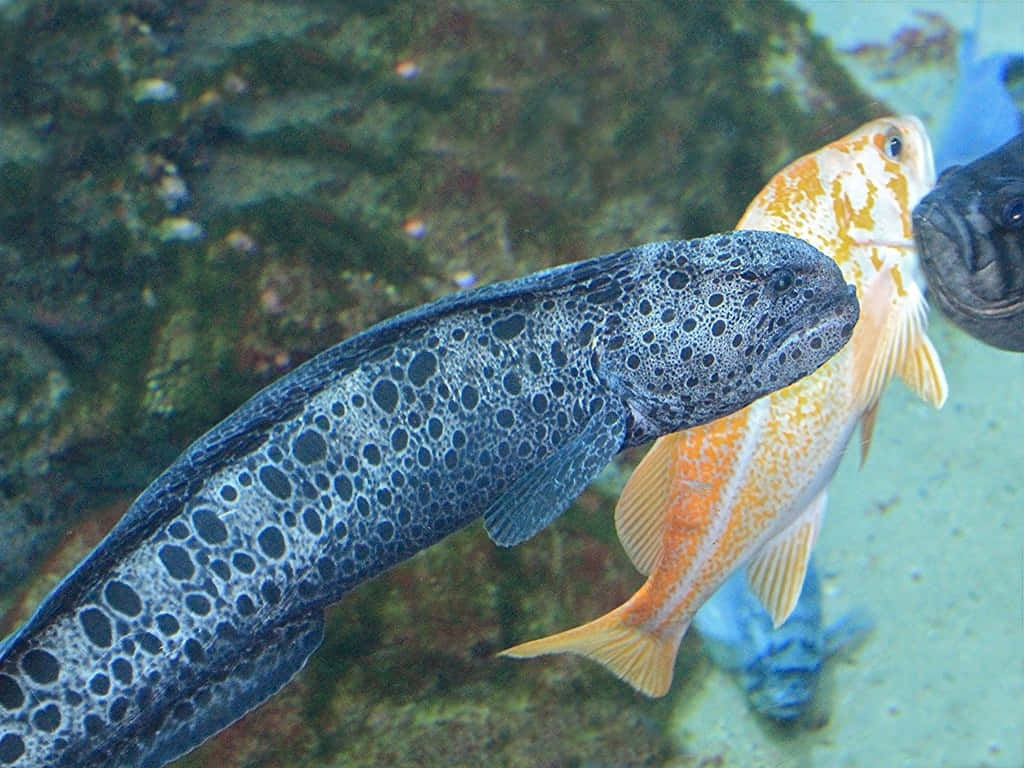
<point>197,196</point>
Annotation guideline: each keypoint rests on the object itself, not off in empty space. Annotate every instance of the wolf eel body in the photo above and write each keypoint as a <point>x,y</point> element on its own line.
<point>503,402</point>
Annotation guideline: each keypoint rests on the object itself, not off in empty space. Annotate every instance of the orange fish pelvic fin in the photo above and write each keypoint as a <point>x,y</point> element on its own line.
<point>867,429</point>
<point>890,340</point>
<point>776,572</point>
<point>643,659</point>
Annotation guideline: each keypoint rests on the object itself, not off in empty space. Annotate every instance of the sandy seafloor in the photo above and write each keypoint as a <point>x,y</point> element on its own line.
<point>927,538</point>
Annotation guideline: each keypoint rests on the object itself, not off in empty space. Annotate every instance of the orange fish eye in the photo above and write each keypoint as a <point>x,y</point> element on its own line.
<point>893,144</point>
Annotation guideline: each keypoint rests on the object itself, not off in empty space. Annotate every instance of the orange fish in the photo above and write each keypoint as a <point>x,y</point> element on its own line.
<point>751,488</point>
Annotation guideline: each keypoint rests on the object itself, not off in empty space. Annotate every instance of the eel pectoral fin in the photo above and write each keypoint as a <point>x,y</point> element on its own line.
<point>251,676</point>
<point>536,498</point>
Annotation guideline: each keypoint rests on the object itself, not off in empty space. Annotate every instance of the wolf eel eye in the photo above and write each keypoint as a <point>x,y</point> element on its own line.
<point>782,280</point>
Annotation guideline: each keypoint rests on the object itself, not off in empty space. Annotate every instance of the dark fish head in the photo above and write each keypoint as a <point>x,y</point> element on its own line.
<point>784,694</point>
<point>746,313</point>
<point>970,239</point>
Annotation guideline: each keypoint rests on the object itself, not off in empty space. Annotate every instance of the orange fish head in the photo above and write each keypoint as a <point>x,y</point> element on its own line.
<point>852,199</point>
<point>897,159</point>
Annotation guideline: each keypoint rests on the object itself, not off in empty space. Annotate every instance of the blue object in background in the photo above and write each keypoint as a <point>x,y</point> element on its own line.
<point>983,116</point>
<point>778,669</point>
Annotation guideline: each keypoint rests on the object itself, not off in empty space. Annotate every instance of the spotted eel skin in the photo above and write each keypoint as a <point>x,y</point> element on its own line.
<point>503,402</point>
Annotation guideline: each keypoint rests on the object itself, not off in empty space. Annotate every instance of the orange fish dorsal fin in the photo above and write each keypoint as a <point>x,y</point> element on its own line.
<point>776,573</point>
<point>641,512</point>
<point>643,659</point>
<point>890,340</point>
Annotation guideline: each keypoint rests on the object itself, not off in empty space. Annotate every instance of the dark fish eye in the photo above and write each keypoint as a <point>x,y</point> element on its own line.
<point>782,280</point>
<point>1013,214</point>
<point>893,146</point>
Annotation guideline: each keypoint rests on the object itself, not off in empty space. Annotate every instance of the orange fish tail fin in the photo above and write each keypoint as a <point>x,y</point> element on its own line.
<point>643,659</point>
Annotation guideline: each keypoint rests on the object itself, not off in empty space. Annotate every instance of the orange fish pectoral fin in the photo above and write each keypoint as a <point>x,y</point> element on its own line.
<point>922,372</point>
<point>643,659</point>
<point>890,340</point>
<point>776,573</point>
<point>640,513</point>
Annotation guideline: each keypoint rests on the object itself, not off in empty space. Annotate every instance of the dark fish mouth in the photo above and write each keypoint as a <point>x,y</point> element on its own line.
<point>943,245</point>
<point>991,310</point>
<point>948,259</point>
<point>942,236</point>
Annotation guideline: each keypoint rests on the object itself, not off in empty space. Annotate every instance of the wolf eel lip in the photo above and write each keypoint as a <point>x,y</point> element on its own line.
<point>841,307</point>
